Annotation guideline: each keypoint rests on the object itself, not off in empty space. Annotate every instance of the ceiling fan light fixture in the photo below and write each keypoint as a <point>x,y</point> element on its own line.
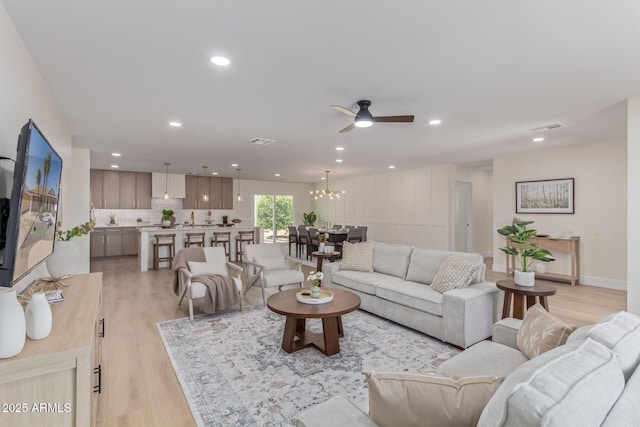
<point>363,123</point>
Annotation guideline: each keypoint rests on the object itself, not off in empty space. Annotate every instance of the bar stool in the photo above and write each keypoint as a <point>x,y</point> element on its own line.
<point>223,237</point>
<point>194,239</point>
<point>168,240</point>
<point>246,238</point>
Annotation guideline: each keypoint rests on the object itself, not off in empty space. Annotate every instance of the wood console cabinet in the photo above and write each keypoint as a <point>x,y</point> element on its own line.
<point>555,244</point>
<point>56,381</point>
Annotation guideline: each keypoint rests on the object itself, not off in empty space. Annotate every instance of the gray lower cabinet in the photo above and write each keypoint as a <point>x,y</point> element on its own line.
<point>114,242</point>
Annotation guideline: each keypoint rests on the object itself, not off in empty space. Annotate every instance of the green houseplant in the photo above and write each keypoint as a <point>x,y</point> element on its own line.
<point>309,218</point>
<point>524,250</point>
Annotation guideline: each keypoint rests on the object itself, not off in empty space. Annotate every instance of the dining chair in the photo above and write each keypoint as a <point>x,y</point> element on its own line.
<point>303,237</point>
<point>266,263</point>
<point>215,263</point>
<point>313,241</point>
<point>336,227</point>
<point>293,238</point>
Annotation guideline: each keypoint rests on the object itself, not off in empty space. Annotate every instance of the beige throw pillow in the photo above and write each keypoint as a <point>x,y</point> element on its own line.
<point>357,257</point>
<point>454,273</point>
<point>402,399</point>
<point>541,331</point>
<point>207,268</point>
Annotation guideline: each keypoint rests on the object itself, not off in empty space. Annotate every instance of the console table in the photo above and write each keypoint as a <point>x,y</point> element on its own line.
<point>555,244</point>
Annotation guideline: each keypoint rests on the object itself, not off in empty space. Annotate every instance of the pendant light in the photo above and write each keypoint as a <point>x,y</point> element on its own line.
<point>239,197</point>
<point>205,195</point>
<point>326,192</point>
<point>166,182</point>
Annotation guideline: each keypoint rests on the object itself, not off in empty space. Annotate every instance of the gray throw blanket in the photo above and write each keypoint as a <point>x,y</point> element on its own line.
<point>221,290</point>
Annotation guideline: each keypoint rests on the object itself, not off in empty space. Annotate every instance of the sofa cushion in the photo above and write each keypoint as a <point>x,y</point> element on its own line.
<point>484,358</point>
<point>391,259</point>
<point>541,331</point>
<point>334,412</point>
<point>425,263</point>
<point>404,399</point>
<point>626,411</point>
<point>572,385</point>
<point>454,273</point>
<point>621,333</point>
<point>357,256</point>
<point>411,294</point>
<point>359,281</point>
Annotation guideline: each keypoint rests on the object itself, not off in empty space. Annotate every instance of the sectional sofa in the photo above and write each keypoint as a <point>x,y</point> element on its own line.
<point>399,289</point>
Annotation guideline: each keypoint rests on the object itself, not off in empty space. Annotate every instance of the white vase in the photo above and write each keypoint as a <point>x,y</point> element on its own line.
<point>321,247</point>
<point>524,278</point>
<point>38,317</point>
<point>64,259</point>
<point>12,324</point>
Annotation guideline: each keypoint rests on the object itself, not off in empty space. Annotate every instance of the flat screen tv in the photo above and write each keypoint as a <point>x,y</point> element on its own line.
<point>33,207</point>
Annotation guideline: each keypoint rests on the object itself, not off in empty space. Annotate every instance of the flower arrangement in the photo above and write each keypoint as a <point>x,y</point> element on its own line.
<point>77,231</point>
<point>315,278</point>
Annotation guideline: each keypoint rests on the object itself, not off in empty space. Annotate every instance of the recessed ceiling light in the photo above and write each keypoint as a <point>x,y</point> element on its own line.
<point>277,174</point>
<point>175,124</point>
<point>339,148</point>
<point>322,177</point>
<point>539,139</point>
<point>338,160</point>
<point>220,60</point>
<point>214,173</point>
<point>115,166</point>
<point>116,154</point>
<point>435,122</point>
<point>235,165</point>
<point>392,167</point>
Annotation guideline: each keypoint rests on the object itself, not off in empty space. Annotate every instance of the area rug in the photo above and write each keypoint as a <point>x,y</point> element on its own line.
<point>234,372</point>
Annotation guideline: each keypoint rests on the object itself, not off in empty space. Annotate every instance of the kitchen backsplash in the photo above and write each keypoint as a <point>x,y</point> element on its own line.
<point>154,215</point>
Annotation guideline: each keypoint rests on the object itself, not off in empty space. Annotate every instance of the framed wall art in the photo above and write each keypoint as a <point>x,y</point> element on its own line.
<point>549,196</point>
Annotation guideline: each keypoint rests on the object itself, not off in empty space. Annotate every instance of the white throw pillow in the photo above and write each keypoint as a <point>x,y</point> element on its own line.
<point>207,268</point>
<point>454,273</point>
<point>272,262</point>
<point>404,399</point>
<point>357,257</point>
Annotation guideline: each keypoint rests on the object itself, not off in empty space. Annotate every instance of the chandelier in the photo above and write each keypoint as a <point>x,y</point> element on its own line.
<point>326,192</point>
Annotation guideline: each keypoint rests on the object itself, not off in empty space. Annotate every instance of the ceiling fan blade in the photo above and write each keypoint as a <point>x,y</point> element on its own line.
<point>399,119</point>
<point>348,128</point>
<point>343,110</point>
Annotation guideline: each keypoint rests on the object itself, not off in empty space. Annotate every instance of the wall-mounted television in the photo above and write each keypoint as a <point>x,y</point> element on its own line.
<point>33,207</point>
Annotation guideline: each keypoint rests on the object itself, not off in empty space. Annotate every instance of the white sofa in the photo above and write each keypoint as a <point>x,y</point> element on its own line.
<point>398,289</point>
<point>592,380</point>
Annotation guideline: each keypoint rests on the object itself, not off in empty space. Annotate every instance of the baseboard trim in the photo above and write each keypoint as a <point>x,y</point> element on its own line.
<point>600,282</point>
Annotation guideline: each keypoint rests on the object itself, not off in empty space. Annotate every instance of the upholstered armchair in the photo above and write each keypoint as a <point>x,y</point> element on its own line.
<point>266,263</point>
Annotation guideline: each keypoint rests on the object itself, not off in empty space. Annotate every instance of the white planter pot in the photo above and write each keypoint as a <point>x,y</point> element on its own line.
<point>524,278</point>
<point>64,259</point>
<point>12,324</point>
<point>38,317</point>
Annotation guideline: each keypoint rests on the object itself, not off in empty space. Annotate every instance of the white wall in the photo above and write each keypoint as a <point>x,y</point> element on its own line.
<point>407,207</point>
<point>25,95</point>
<point>633,227</point>
<point>600,219</point>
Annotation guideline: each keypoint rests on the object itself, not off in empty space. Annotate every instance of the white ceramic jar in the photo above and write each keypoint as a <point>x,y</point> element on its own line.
<point>38,317</point>
<point>12,324</point>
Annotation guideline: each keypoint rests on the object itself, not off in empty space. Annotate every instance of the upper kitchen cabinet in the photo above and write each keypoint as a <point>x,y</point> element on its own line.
<point>135,190</point>
<point>172,183</point>
<point>105,189</point>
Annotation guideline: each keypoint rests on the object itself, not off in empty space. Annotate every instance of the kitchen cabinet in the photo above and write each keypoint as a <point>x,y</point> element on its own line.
<point>135,190</point>
<point>111,189</point>
<point>130,241</point>
<point>143,190</point>
<point>226,196</point>
<point>64,370</point>
<point>190,192</point>
<point>208,193</point>
<point>113,242</point>
<point>95,178</point>
<point>97,243</point>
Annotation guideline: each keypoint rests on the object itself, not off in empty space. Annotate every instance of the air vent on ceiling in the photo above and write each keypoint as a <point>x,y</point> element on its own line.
<point>262,141</point>
<point>552,126</point>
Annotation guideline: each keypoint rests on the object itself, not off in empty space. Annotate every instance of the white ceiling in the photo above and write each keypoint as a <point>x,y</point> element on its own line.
<point>491,70</point>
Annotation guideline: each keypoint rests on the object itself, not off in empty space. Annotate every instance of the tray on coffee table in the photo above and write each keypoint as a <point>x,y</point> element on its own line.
<point>325,297</point>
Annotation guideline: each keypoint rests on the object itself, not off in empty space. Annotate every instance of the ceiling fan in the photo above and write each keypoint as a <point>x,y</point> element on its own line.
<point>364,119</point>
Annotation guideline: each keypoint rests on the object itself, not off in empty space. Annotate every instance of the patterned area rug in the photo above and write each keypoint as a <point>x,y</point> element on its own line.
<point>234,372</point>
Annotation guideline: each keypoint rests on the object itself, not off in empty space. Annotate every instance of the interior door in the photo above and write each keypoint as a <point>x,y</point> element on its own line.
<point>463,217</point>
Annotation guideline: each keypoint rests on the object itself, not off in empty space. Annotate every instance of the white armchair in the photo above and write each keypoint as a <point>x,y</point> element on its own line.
<point>266,263</point>
<point>216,263</point>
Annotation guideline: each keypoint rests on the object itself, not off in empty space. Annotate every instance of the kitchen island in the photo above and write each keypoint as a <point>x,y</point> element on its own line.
<point>145,249</point>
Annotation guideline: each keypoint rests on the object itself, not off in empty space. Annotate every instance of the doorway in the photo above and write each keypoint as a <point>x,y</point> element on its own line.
<point>274,213</point>
<point>463,216</point>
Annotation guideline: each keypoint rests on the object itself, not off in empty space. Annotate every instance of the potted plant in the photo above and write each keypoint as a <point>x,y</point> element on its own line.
<point>525,250</point>
<point>309,218</point>
<point>225,219</point>
<point>167,217</point>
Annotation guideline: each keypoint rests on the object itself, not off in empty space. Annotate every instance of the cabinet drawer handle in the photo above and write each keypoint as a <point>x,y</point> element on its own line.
<point>101,323</point>
<point>98,371</point>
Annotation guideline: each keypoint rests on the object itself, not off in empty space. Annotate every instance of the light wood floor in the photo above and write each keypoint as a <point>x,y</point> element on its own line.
<point>140,386</point>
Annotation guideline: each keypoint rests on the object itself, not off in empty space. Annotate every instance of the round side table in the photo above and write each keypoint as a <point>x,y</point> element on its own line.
<point>518,294</point>
<point>321,256</point>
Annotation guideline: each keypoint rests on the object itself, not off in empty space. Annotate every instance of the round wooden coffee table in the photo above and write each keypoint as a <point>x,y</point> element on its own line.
<point>539,290</point>
<point>297,313</point>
